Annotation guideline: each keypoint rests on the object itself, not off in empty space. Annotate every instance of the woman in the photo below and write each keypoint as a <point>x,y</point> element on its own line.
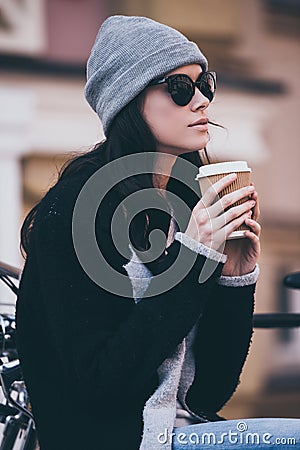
<point>121,345</point>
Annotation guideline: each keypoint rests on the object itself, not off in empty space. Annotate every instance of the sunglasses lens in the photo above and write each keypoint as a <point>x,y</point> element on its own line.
<point>181,89</point>
<point>207,85</point>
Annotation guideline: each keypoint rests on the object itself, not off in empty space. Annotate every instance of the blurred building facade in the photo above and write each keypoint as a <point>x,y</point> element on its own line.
<point>254,47</point>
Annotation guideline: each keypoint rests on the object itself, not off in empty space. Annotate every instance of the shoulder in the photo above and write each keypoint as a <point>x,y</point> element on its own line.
<point>77,207</point>
<point>59,203</point>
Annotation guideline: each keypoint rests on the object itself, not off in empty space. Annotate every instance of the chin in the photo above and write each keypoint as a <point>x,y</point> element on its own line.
<point>186,146</point>
<point>197,146</point>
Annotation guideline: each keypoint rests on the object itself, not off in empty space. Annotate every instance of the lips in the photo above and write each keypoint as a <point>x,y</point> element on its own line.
<point>201,121</point>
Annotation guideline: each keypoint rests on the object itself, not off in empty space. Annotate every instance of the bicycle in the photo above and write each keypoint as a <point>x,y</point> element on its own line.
<point>19,428</point>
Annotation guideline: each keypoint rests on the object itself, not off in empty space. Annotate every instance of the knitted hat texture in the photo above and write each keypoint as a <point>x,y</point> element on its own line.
<point>129,52</point>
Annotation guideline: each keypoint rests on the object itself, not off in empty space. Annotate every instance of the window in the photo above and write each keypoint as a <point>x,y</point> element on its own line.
<point>22,26</point>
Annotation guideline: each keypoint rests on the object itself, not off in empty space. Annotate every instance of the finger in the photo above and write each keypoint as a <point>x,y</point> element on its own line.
<point>255,240</point>
<point>232,226</point>
<point>254,226</point>
<point>256,209</point>
<point>229,199</point>
<point>216,188</point>
<point>233,213</point>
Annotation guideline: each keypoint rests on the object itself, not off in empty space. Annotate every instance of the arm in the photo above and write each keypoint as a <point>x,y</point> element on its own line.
<point>225,329</point>
<point>223,337</point>
<point>221,346</point>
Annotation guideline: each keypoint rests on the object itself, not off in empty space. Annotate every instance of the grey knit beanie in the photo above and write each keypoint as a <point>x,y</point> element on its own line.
<point>127,54</point>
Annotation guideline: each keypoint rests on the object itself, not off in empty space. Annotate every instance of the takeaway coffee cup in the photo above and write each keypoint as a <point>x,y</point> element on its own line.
<point>211,173</point>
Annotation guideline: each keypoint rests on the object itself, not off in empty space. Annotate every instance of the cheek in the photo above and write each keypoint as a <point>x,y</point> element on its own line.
<point>161,114</point>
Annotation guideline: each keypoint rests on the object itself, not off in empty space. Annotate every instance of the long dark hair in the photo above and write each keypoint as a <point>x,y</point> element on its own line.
<point>128,134</point>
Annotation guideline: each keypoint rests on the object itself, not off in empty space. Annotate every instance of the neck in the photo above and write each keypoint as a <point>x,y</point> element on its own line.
<point>162,169</point>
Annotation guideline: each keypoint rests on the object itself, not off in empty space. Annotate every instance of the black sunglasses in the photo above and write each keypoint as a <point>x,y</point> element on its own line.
<point>182,87</point>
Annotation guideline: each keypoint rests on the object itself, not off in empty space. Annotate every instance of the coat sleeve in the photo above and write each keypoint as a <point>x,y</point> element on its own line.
<point>221,346</point>
<point>111,345</point>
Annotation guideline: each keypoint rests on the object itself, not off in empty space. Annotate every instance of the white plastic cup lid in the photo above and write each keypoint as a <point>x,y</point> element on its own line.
<point>223,167</point>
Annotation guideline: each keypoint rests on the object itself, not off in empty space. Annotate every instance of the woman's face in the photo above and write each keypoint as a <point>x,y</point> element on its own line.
<point>173,126</point>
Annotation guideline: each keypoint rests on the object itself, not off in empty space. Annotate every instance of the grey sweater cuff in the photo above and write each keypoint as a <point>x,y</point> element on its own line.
<point>240,281</point>
<point>197,247</point>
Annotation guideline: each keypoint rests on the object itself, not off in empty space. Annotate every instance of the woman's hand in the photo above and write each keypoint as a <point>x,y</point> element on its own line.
<point>242,254</point>
<point>211,223</point>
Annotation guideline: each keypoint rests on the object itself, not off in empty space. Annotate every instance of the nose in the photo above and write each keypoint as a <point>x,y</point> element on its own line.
<point>199,101</point>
